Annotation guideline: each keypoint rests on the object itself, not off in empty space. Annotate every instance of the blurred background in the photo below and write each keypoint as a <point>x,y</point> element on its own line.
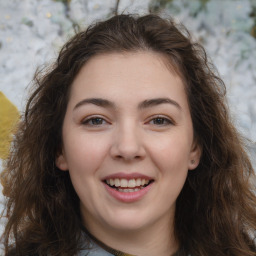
<point>32,32</point>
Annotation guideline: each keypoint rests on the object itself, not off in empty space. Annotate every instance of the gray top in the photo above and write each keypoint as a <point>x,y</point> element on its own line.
<point>97,248</point>
<point>98,251</point>
<point>94,251</point>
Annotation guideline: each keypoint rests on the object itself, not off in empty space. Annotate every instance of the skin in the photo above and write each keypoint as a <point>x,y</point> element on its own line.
<point>154,140</point>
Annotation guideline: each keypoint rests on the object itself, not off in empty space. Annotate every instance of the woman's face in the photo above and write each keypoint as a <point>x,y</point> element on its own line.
<point>127,141</point>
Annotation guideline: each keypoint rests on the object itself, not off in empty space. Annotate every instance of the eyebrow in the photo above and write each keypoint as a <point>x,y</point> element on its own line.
<point>96,101</point>
<point>144,104</point>
<point>154,102</point>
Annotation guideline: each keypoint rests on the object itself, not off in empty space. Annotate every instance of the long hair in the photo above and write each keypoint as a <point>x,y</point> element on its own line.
<point>216,209</point>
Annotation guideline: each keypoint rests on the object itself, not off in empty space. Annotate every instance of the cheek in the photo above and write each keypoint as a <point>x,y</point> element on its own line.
<point>171,153</point>
<point>171,159</point>
<point>85,153</point>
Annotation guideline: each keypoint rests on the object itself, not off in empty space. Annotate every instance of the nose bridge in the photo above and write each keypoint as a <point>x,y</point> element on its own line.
<point>127,143</point>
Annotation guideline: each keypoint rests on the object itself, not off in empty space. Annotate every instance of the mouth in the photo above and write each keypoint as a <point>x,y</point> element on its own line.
<point>128,185</point>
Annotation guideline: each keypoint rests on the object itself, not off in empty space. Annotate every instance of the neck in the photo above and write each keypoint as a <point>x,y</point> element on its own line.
<point>158,239</point>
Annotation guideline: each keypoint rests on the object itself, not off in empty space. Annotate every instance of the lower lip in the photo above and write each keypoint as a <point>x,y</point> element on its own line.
<point>128,197</point>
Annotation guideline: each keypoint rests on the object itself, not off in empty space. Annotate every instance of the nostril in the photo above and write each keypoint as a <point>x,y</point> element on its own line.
<point>127,158</point>
<point>119,157</point>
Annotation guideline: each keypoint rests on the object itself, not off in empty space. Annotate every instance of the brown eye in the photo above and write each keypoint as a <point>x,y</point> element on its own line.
<point>160,121</point>
<point>94,121</point>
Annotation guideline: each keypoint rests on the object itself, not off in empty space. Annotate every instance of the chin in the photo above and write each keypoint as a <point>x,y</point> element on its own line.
<point>128,221</point>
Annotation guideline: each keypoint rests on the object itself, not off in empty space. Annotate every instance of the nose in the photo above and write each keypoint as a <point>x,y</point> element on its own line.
<point>128,144</point>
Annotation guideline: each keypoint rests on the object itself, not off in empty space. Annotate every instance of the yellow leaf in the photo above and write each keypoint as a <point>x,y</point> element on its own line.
<point>9,116</point>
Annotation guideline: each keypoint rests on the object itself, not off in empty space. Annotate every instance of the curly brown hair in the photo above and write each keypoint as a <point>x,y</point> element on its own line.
<point>216,209</point>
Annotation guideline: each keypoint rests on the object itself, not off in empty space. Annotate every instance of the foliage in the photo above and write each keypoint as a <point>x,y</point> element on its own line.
<point>63,1</point>
<point>253,15</point>
<point>158,5</point>
<point>241,20</point>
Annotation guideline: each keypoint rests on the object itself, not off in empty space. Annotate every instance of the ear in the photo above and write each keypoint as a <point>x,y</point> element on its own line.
<point>61,162</point>
<point>194,157</point>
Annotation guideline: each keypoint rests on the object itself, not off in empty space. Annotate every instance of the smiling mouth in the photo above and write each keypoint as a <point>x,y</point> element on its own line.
<point>131,185</point>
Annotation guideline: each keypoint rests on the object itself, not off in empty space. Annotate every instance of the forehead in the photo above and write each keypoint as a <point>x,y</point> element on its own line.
<point>138,75</point>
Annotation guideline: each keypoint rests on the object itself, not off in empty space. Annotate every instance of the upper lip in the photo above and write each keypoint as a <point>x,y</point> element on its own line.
<point>128,176</point>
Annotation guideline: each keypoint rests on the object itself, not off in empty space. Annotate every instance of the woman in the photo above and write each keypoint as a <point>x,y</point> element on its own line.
<point>126,146</point>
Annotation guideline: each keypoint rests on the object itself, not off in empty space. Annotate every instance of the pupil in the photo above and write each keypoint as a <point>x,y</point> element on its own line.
<point>97,121</point>
<point>159,121</point>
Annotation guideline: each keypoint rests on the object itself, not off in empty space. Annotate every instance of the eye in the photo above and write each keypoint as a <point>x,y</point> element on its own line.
<point>94,121</point>
<point>161,121</point>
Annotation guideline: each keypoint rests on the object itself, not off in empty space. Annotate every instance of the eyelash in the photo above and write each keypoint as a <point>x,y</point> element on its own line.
<point>165,121</point>
<point>92,121</point>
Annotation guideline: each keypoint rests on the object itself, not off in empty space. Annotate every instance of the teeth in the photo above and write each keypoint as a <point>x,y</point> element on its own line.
<point>111,182</point>
<point>132,183</point>
<point>117,182</point>
<point>127,190</point>
<point>124,183</point>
